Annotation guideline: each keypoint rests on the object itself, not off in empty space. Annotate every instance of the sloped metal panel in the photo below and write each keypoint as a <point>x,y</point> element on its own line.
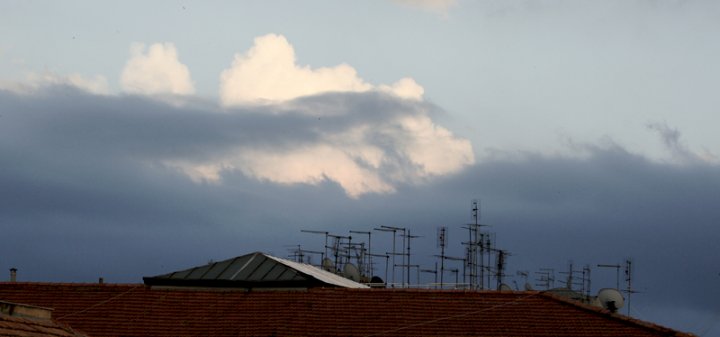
<point>217,269</point>
<point>198,272</point>
<point>180,274</point>
<point>319,274</point>
<point>235,265</point>
<point>253,270</point>
<point>244,270</point>
<point>276,272</point>
<point>262,269</point>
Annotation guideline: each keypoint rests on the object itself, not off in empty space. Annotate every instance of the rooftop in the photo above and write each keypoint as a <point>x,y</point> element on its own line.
<point>139,310</point>
<point>29,321</point>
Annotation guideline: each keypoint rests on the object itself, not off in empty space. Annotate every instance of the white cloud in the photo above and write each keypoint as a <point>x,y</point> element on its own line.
<point>371,155</point>
<point>362,153</point>
<point>315,164</point>
<point>268,73</point>
<point>156,72</point>
<point>34,81</point>
<point>438,6</point>
<point>404,88</point>
<point>434,149</point>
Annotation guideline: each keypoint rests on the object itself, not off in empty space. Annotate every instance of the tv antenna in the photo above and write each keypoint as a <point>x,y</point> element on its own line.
<point>394,253</point>
<point>408,237</point>
<point>628,278</point>
<point>474,250</point>
<point>319,232</point>
<point>500,270</point>
<point>338,249</point>
<point>369,265</point>
<point>387,264</point>
<point>442,240</point>
<point>617,273</point>
<point>302,255</point>
<point>547,278</point>
<point>432,271</point>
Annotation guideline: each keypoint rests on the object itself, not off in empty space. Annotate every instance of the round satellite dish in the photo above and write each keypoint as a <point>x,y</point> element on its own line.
<point>528,287</point>
<point>505,287</point>
<point>328,265</point>
<point>351,272</point>
<point>610,299</point>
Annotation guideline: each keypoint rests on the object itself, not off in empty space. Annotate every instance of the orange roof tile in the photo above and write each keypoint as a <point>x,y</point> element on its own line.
<point>26,327</point>
<point>137,310</point>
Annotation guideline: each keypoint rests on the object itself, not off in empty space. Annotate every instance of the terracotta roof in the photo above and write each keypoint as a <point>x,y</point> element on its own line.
<point>137,310</point>
<point>26,327</point>
<point>255,270</point>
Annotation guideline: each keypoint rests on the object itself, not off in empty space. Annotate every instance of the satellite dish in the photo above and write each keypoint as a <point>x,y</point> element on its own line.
<point>351,272</point>
<point>328,265</point>
<point>610,299</point>
<point>528,287</point>
<point>505,287</point>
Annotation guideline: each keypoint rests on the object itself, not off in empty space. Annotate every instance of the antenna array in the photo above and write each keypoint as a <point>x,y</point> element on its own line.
<point>482,262</point>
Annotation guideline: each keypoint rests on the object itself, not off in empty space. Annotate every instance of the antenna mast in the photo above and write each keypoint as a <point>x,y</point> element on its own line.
<point>369,252</point>
<point>475,259</point>
<point>442,242</point>
<point>628,279</point>
<point>407,237</point>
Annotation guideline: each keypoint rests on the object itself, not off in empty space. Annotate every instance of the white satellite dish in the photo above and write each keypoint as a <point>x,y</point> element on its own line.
<point>528,287</point>
<point>610,299</point>
<point>328,265</point>
<point>351,272</point>
<point>505,287</point>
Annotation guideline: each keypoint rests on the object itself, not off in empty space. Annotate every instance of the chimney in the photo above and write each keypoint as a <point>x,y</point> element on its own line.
<point>13,274</point>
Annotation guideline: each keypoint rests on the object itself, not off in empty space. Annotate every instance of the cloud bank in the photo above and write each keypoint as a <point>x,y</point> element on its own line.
<point>365,138</point>
<point>364,142</point>
<point>39,81</point>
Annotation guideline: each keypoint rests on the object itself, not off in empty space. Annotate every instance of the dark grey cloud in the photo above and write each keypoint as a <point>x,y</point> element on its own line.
<point>83,195</point>
<point>193,136</point>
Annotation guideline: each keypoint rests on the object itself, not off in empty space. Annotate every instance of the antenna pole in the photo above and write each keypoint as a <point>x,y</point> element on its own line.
<point>403,257</point>
<point>387,259</point>
<point>369,234</point>
<point>394,252</point>
<point>441,242</point>
<point>407,237</point>
<point>628,278</point>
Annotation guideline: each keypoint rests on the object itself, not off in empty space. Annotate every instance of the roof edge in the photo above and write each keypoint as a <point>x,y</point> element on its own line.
<point>615,316</point>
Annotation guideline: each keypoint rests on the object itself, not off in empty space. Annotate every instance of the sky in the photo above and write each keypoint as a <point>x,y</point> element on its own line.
<point>141,138</point>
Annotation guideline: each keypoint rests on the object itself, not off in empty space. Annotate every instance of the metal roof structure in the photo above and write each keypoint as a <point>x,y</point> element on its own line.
<point>253,271</point>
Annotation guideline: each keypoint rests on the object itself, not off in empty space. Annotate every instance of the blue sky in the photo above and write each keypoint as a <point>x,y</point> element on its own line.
<point>156,136</point>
